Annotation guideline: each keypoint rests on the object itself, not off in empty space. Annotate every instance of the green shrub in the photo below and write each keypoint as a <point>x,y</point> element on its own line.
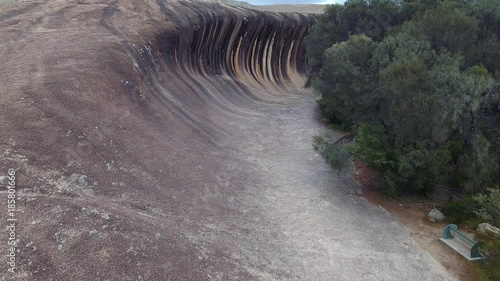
<point>319,142</point>
<point>371,145</point>
<point>389,184</point>
<point>490,267</point>
<point>489,206</point>
<point>461,211</point>
<point>328,109</point>
<point>337,156</point>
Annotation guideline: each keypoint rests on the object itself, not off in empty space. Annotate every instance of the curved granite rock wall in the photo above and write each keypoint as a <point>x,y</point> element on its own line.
<point>242,44</point>
<point>126,121</point>
<point>256,46</point>
<point>218,60</point>
<point>165,140</point>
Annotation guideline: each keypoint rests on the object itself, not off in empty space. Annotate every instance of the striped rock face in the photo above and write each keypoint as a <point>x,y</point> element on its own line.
<point>165,140</point>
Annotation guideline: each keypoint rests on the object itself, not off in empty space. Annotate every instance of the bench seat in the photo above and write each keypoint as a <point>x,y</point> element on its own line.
<point>461,243</point>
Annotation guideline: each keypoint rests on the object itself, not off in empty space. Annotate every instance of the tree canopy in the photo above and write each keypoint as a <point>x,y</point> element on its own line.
<point>418,82</point>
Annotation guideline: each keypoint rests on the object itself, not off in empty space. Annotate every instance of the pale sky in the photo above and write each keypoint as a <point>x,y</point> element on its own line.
<point>271,2</point>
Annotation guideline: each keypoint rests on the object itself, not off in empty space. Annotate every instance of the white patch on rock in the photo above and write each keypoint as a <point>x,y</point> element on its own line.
<point>103,214</point>
<point>74,183</point>
<point>436,216</point>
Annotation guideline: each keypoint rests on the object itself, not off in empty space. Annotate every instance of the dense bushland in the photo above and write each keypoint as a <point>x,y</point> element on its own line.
<point>418,82</point>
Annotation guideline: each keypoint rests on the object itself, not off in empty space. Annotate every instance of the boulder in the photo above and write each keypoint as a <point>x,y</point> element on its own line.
<point>436,216</point>
<point>488,229</point>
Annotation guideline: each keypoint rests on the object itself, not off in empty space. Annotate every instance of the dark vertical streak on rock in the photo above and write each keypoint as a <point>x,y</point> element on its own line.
<point>207,42</point>
<point>216,59</point>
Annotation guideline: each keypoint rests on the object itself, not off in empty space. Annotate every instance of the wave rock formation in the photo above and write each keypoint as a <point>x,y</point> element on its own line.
<point>165,140</point>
